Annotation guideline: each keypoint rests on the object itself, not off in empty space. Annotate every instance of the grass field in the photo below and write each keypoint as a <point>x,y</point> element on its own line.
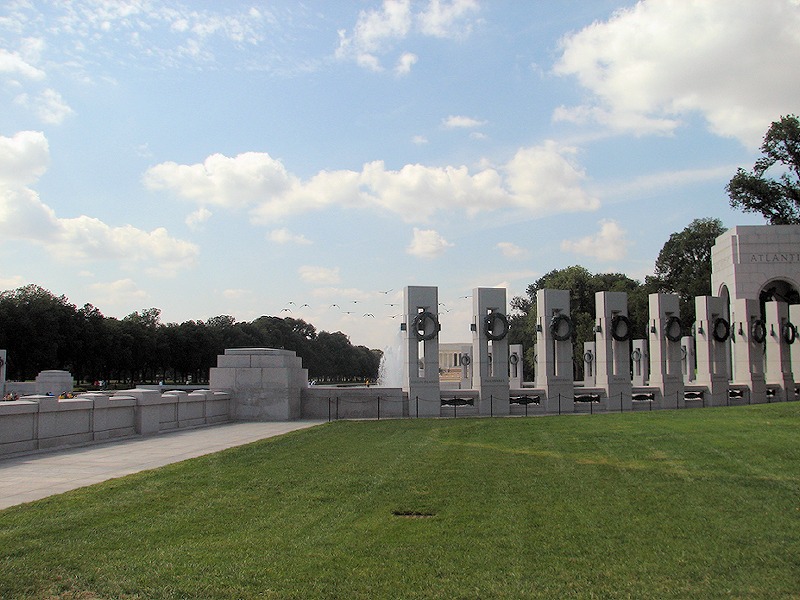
<point>668,504</point>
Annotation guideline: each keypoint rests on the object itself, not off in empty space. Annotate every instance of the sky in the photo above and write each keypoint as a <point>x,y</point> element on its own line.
<point>311,159</point>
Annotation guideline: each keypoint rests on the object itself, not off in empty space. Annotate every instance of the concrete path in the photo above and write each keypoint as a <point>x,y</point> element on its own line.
<point>35,476</point>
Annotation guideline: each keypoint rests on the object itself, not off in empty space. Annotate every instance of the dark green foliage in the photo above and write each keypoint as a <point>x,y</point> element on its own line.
<point>683,266</point>
<point>42,331</point>
<point>777,199</point>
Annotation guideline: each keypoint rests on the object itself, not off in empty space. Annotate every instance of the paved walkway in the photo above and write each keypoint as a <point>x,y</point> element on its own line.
<point>35,476</point>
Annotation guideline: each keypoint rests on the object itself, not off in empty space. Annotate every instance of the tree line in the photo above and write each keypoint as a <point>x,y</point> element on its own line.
<point>43,331</point>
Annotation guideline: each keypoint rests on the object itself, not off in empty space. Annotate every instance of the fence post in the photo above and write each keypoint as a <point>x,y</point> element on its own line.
<point>379,408</point>
<point>329,409</point>
<point>417,403</point>
<point>337,408</point>
<point>491,405</point>
<point>559,403</point>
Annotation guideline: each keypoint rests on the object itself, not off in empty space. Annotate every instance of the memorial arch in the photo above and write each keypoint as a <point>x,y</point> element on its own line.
<point>757,263</point>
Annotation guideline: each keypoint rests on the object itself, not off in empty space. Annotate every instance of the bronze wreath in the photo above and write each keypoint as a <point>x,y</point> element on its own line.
<point>758,331</point>
<point>489,323</point>
<point>420,326</point>
<point>616,323</point>
<point>788,332</point>
<point>672,337</point>
<point>555,325</point>
<point>720,323</point>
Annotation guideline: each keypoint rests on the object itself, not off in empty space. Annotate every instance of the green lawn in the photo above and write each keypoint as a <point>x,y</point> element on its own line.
<point>670,504</point>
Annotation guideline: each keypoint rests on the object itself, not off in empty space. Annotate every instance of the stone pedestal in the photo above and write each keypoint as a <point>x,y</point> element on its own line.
<point>612,339</point>
<point>490,350</point>
<point>688,359</point>
<point>640,361</point>
<point>778,372</point>
<point>421,350</point>
<point>712,331</point>
<point>748,335</point>
<point>589,364</point>
<point>554,350</point>
<point>665,349</point>
<point>264,383</point>
<point>515,366</point>
<point>54,382</point>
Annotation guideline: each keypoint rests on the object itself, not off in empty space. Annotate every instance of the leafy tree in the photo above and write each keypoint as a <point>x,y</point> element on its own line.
<point>777,199</point>
<point>683,266</point>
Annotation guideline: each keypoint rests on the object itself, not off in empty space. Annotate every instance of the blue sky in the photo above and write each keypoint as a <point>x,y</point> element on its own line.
<point>211,158</point>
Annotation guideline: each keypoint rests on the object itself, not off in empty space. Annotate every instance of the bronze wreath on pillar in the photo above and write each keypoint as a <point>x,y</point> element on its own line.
<point>490,321</point>
<point>721,329</point>
<point>621,322</point>
<point>758,331</point>
<point>670,327</point>
<point>420,326</point>
<point>555,326</point>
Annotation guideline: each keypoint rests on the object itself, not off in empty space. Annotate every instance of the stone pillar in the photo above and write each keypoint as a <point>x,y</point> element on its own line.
<point>640,360</point>
<point>264,383</point>
<point>794,317</point>
<point>780,335</point>
<point>665,349</point>
<point>589,364</point>
<point>421,345</point>
<point>490,350</point>
<point>688,359</point>
<point>3,359</point>
<point>712,329</point>
<point>515,366</point>
<point>554,330</point>
<point>749,334</point>
<point>612,336</point>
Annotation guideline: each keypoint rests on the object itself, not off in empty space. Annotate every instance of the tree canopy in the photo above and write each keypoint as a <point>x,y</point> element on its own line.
<point>43,331</point>
<point>777,199</point>
<point>683,266</point>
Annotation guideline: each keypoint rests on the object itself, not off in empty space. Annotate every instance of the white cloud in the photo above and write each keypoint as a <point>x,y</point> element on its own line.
<point>223,181</point>
<point>607,245</point>
<point>377,30</point>
<point>196,219</point>
<point>319,275</point>
<point>459,121</point>
<point>512,251</point>
<point>427,244</point>
<point>284,236</point>
<point>652,64</point>
<point>541,180</point>
<point>23,216</point>
<point>12,63</point>
<point>120,292</point>
<point>477,135</point>
<point>49,106</point>
<point>419,140</point>
<point>374,30</point>
<point>23,158</point>
<point>405,63</point>
<point>544,180</point>
<point>445,19</point>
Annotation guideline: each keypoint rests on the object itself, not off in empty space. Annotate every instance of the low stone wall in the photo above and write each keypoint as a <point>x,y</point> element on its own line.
<point>321,402</point>
<point>41,422</point>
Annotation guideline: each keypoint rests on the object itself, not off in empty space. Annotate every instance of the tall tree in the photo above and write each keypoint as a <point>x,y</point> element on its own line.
<point>683,266</point>
<point>777,199</point>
